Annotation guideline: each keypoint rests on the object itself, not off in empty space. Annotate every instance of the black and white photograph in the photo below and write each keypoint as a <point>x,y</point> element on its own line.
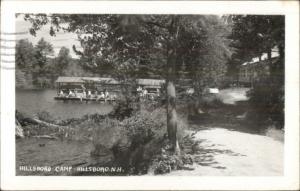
<point>149,94</point>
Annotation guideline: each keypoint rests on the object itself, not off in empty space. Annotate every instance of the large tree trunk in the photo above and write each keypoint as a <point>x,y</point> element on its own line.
<point>171,92</point>
<point>172,116</point>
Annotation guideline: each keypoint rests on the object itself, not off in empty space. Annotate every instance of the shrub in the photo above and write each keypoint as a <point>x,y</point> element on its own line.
<point>267,102</point>
<point>144,126</point>
<point>125,107</point>
<point>134,141</point>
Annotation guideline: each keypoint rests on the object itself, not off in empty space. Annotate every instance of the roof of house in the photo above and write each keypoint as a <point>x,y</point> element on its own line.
<point>101,80</point>
<point>62,79</point>
<point>150,82</point>
<point>264,56</point>
<point>144,82</point>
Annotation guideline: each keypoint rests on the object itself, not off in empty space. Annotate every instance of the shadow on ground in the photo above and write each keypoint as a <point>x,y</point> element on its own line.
<point>204,154</point>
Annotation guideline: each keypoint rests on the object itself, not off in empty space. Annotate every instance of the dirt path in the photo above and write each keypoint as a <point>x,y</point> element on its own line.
<point>226,152</point>
<point>222,152</point>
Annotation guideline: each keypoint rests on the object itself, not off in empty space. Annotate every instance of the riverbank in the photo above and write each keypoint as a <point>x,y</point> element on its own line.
<point>220,141</point>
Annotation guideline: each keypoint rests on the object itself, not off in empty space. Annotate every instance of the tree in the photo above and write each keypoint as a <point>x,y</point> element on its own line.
<point>252,36</point>
<point>43,50</point>
<point>62,60</point>
<point>138,45</point>
<point>24,54</point>
<point>24,61</point>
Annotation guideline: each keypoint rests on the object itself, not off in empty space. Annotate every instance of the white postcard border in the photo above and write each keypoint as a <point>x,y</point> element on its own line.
<point>290,180</point>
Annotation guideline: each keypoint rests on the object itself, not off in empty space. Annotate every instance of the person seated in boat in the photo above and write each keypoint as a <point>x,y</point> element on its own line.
<point>145,92</point>
<point>75,93</point>
<point>71,94</point>
<point>102,96</point>
<point>96,94</point>
<point>106,94</point>
<point>89,94</point>
<point>61,94</point>
<point>139,91</point>
<point>157,92</point>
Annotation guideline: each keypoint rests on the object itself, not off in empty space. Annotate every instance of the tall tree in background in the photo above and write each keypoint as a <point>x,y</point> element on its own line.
<point>253,35</point>
<point>24,54</point>
<point>24,61</point>
<point>43,50</point>
<point>62,60</point>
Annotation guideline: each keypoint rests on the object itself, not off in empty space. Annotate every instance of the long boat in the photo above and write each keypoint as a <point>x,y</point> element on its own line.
<point>84,99</point>
<point>81,86</point>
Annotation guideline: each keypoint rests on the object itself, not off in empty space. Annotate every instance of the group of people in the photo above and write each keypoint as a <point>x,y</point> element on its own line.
<point>151,94</point>
<point>142,92</point>
<point>87,94</point>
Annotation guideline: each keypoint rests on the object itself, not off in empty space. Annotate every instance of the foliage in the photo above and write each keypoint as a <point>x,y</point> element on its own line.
<point>133,141</point>
<point>62,61</point>
<point>132,46</point>
<point>126,105</point>
<point>37,67</point>
<point>145,126</point>
<point>267,101</point>
<point>252,36</point>
<point>24,54</point>
<point>165,162</point>
<point>25,61</point>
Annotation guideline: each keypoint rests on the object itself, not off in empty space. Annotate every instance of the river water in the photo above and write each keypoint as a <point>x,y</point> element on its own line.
<point>34,101</point>
<point>33,152</point>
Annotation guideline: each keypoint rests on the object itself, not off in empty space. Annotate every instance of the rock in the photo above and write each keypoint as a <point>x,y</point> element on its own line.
<point>19,131</point>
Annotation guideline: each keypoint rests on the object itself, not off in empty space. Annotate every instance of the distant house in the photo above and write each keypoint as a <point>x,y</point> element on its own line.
<point>257,68</point>
<point>150,83</point>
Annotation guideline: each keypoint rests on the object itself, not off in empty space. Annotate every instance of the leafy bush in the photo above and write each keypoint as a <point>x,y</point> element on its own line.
<point>135,140</point>
<point>144,126</point>
<point>125,107</point>
<point>267,102</point>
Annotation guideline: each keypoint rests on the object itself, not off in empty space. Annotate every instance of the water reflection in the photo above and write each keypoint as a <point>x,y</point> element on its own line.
<point>34,101</point>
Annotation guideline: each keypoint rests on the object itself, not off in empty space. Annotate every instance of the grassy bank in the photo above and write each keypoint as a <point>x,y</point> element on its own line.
<point>135,136</point>
<point>134,133</point>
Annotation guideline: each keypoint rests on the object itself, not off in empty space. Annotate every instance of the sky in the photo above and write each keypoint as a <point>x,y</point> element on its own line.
<point>61,39</point>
